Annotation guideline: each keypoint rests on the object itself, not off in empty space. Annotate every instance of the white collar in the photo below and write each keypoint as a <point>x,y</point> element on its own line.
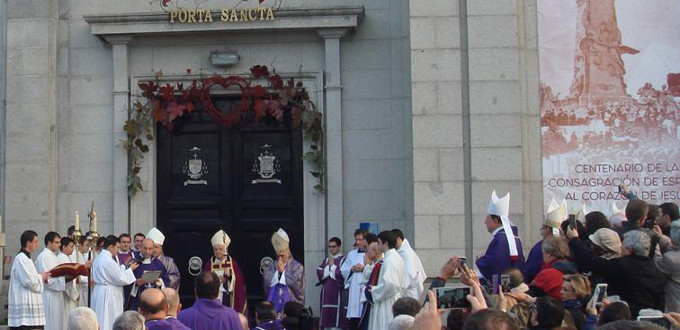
<point>496,231</point>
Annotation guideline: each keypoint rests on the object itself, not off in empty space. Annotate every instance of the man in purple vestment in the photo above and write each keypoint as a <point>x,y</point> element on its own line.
<point>149,263</point>
<point>208,313</point>
<point>125,254</point>
<point>265,317</point>
<point>285,280</point>
<point>330,277</point>
<point>154,307</point>
<point>174,306</point>
<point>233,290</point>
<point>173,272</point>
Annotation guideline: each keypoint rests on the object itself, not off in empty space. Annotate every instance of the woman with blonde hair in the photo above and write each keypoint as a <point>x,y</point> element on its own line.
<point>575,290</point>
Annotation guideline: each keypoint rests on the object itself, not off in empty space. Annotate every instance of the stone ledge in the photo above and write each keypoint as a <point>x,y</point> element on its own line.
<point>347,17</point>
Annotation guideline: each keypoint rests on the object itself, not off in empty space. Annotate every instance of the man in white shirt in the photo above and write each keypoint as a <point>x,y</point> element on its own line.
<point>25,301</point>
<point>352,269</point>
<point>414,274</point>
<point>109,278</point>
<point>53,295</point>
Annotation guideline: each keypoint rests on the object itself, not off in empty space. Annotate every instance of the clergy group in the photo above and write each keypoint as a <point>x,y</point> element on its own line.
<point>359,290</point>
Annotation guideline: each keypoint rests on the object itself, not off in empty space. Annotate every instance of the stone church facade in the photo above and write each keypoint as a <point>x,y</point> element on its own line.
<point>429,105</point>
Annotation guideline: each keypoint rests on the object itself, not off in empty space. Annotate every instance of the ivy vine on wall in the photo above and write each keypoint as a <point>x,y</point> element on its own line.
<point>264,96</point>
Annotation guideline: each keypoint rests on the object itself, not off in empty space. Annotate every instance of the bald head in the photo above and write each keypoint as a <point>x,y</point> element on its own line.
<point>152,304</point>
<point>172,298</point>
<point>147,248</point>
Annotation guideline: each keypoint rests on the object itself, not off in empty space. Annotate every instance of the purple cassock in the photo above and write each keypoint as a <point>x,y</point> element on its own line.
<point>270,325</point>
<point>534,262</point>
<point>158,325</point>
<point>497,257</point>
<point>285,287</point>
<point>176,324</point>
<point>330,277</point>
<point>210,314</point>
<point>151,265</point>
<point>125,257</point>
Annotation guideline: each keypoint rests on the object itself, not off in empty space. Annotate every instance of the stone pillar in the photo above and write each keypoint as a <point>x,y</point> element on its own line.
<point>121,106</point>
<point>333,142</point>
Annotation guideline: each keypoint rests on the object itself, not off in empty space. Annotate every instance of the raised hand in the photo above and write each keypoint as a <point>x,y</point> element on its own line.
<point>429,317</point>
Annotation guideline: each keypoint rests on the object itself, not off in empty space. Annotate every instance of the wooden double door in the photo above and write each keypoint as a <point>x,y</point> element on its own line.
<point>246,180</point>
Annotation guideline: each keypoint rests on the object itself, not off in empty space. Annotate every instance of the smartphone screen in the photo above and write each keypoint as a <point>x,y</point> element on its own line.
<point>600,292</point>
<point>505,283</point>
<point>658,320</point>
<point>453,297</point>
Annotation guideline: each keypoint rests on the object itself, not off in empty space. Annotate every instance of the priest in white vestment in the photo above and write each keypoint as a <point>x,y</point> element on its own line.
<point>71,291</point>
<point>109,278</point>
<point>414,273</point>
<point>53,295</point>
<point>25,301</point>
<point>352,268</point>
<point>390,283</point>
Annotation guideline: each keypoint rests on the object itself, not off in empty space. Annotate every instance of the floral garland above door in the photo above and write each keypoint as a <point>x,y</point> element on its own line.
<point>278,100</point>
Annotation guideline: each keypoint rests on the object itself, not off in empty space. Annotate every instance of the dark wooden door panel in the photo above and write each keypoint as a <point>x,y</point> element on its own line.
<point>253,186</point>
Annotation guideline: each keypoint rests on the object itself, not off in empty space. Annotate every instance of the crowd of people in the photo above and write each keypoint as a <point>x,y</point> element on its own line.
<point>587,272</point>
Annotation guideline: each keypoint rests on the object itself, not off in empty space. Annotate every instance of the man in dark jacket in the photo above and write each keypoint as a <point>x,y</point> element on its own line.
<point>636,213</point>
<point>634,276</point>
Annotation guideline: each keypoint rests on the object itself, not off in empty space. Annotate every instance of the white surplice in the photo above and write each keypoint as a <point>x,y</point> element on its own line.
<point>53,295</point>
<point>81,258</point>
<point>25,301</point>
<point>388,290</point>
<point>107,296</point>
<point>71,293</point>
<point>414,273</point>
<point>353,282</point>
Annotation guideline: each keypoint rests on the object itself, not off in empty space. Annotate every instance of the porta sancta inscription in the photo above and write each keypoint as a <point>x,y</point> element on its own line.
<point>225,15</point>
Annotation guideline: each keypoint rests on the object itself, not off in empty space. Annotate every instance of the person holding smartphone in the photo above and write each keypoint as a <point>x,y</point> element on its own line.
<point>633,276</point>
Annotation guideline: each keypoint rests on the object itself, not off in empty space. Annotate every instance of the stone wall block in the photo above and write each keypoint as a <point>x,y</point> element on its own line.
<point>492,31</point>
<point>494,64</point>
<point>452,232</point>
<point>425,164</point>
<point>437,131</point>
<point>494,97</point>
<point>380,146</point>
<point>497,163</point>
<point>366,114</point>
<point>496,130</point>
<point>427,231</point>
<point>367,174</point>
<point>22,33</point>
<point>434,198</point>
<point>451,164</point>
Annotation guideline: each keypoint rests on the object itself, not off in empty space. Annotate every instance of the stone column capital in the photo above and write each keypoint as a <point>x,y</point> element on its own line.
<point>332,33</point>
<point>119,39</point>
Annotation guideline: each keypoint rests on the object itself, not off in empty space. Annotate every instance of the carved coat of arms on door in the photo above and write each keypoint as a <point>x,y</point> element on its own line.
<point>266,165</point>
<point>195,167</point>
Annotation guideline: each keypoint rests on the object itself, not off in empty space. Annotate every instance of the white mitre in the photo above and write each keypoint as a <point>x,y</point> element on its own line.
<point>556,214</point>
<point>501,208</point>
<point>156,236</point>
<point>581,214</point>
<point>220,238</point>
<point>281,241</point>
